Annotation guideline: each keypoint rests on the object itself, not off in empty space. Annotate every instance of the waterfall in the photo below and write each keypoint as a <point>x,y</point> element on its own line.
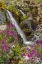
<point>18,29</point>
<point>21,12</point>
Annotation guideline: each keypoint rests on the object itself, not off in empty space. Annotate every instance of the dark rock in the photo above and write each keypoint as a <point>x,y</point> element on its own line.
<point>27,23</point>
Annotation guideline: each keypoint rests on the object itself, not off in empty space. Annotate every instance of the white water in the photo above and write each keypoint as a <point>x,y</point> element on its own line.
<point>21,12</point>
<point>18,29</point>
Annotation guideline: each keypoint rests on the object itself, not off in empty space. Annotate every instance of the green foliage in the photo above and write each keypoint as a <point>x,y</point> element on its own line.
<point>20,42</point>
<point>41,54</point>
<point>0,37</point>
<point>12,39</point>
<point>3,57</point>
<point>11,0</point>
<point>11,56</point>
<point>17,51</point>
<point>12,7</point>
<point>39,1</point>
<point>26,9</point>
<point>37,48</point>
<point>24,18</point>
<point>1,60</point>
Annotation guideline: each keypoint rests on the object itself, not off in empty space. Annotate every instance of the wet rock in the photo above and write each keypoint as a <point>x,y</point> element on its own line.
<point>27,23</point>
<point>2,18</point>
<point>27,28</point>
<point>33,25</point>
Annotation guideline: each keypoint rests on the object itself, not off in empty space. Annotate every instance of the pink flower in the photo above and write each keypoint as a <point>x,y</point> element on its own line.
<point>16,38</point>
<point>39,41</point>
<point>29,55</point>
<point>27,49</point>
<point>33,59</point>
<point>5,47</point>
<point>38,54</point>
<point>14,33</point>
<point>23,54</point>
<point>32,46</point>
<point>33,52</point>
<point>3,41</point>
<point>10,25</point>
<point>39,59</point>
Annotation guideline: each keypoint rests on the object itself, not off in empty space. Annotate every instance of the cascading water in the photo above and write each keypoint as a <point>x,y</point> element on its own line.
<point>18,29</point>
<point>21,12</point>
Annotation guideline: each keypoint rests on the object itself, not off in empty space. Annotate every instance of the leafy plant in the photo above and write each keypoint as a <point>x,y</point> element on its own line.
<point>41,54</point>
<point>24,18</point>
<point>3,57</point>
<point>0,37</point>
<point>12,39</point>
<point>17,51</point>
<point>1,60</point>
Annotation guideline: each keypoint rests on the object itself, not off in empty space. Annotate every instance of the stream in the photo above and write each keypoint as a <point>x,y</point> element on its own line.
<point>21,12</point>
<point>18,29</point>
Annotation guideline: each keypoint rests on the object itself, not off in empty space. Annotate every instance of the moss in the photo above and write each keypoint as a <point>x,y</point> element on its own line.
<point>26,9</point>
<point>39,1</point>
<point>24,18</point>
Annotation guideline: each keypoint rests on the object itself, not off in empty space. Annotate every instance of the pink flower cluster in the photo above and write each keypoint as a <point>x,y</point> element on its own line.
<point>11,32</point>
<point>39,43</point>
<point>4,46</point>
<point>32,53</point>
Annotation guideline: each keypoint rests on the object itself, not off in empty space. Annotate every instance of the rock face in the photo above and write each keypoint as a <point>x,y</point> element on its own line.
<point>27,23</point>
<point>26,27</point>
<point>2,18</point>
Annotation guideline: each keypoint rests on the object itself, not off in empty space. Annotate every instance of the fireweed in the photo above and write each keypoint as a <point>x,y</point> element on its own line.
<point>32,53</point>
<point>9,32</point>
<point>6,37</point>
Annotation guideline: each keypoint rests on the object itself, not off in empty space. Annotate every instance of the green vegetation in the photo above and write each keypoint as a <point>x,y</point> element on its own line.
<point>41,54</point>
<point>39,1</point>
<point>11,0</point>
<point>17,50</point>
<point>24,18</point>
<point>0,37</point>
<point>26,9</point>
<point>3,57</point>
